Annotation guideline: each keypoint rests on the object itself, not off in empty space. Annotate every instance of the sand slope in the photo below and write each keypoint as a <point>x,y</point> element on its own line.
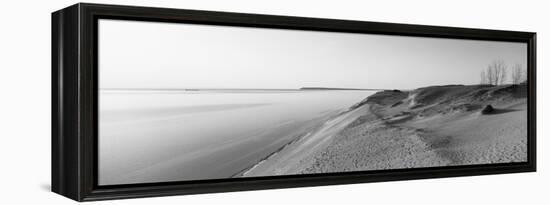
<point>297,155</point>
<point>426,127</point>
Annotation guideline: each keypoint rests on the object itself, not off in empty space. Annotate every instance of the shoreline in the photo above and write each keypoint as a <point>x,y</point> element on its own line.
<point>290,157</point>
<point>263,160</point>
<point>302,136</point>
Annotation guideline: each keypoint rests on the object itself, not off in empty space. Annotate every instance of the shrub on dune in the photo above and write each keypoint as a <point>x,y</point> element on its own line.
<point>488,109</point>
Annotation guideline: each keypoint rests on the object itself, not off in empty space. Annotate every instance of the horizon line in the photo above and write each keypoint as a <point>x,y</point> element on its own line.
<point>193,89</point>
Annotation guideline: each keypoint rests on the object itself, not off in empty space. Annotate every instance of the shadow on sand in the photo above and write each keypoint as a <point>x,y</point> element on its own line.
<point>501,111</point>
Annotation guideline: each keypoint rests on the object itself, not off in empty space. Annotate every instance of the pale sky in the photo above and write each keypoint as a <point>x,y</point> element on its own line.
<point>135,54</point>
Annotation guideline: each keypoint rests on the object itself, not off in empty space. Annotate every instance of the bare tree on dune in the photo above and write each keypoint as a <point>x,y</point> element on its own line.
<point>517,74</point>
<point>495,74</point>
<point>483,78</point>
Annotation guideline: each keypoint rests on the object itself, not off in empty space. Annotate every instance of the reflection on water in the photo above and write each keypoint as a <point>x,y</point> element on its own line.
<point>158,136</point>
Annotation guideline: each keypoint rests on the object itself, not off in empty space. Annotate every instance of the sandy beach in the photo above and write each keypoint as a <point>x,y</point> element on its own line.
<point>425,127</point>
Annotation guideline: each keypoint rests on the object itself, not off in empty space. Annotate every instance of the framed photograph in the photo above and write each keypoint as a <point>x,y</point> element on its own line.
<point>156,101</point>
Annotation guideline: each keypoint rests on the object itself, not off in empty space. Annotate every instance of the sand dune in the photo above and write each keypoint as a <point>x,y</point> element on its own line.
<point>426,127</point>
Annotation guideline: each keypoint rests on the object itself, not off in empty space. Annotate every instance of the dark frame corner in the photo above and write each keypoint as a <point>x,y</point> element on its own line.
<point>74,110</point>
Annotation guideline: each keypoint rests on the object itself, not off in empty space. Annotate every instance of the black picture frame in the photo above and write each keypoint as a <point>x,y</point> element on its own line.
<point>75,84</point>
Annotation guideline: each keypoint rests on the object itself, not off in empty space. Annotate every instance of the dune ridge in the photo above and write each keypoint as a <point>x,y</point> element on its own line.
<point>426,127</point>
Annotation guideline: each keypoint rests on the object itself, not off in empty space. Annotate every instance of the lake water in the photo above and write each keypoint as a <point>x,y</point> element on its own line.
<point>160,136</point>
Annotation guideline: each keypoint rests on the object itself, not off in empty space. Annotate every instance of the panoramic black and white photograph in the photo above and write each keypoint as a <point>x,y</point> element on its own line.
<point>184,102</point>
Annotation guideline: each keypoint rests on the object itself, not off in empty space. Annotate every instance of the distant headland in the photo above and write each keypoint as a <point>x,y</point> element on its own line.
<point>327,88</point>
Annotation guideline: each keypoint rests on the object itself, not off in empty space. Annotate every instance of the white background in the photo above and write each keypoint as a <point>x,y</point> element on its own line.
<point>25,103</point>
